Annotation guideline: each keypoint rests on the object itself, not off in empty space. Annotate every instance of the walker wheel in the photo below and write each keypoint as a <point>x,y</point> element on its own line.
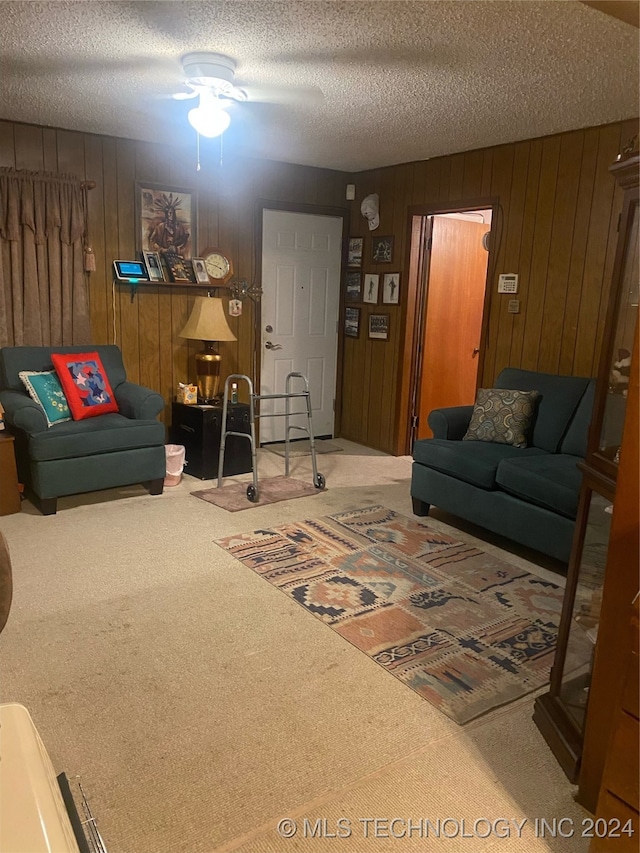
<point>319,481</point>
<point>252,493</point>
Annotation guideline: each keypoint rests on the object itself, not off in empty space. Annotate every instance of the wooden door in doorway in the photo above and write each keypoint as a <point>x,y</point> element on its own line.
<point>301,261</point>
<point>453,318</point>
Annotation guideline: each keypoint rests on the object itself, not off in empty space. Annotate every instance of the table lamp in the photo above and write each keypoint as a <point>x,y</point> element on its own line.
<point>207,323</point>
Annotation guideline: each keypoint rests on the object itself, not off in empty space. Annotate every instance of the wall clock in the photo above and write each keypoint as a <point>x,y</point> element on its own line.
<point>218,265</point>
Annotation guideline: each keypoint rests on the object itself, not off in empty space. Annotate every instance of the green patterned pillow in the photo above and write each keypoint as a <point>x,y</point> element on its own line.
<point>45,388</point>
<point>502,416</point>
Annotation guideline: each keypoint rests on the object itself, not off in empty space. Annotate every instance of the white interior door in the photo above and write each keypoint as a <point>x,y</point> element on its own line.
<point>301,258</point>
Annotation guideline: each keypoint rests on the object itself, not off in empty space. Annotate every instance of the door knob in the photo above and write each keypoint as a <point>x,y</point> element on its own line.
<point>476,350</point>
<point>269,345</point>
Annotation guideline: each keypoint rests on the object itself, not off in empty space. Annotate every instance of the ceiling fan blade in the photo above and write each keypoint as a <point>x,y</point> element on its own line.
<point>311,95</point>
<point>48,66</point>
<point>354,58</point>
<point>180,95</point>
<point>183,95</point>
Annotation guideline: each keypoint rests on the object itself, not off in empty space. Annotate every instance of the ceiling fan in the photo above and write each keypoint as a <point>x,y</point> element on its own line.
<point>210,77</point>
<point>211,71</point>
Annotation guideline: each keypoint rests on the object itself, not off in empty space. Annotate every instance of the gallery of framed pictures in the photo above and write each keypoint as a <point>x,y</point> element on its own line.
<point>171,268</point>
<point>371,284</point>
<point>382,250</point>
<point>391,288</point>
<point>355,251</point>
<point>180,269</point>
<point>154,266</point>
<point>353,289</point>
<point>352,322</point>
<point>379,327</point>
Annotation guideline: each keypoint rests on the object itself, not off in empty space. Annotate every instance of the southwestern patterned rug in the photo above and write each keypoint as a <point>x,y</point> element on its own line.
<point>464,629</point>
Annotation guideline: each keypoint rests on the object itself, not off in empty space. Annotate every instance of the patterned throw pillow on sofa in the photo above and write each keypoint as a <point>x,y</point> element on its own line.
<point>85,383</point>
<point>502,416</point>
<point>44,387</point>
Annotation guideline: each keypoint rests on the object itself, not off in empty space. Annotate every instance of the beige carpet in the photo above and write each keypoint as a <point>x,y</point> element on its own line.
<point>201,706</point>
<point>302,447</point>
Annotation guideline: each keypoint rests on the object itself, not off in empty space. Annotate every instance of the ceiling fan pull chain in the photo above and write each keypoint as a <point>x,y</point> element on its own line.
<point>197,151</point>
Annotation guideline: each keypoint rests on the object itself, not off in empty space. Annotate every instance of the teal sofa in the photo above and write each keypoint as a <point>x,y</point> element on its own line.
<point>529,495</point>
<point>72,457</point>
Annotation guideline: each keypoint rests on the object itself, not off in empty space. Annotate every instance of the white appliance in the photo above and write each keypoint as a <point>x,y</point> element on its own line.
<point>33,814</point>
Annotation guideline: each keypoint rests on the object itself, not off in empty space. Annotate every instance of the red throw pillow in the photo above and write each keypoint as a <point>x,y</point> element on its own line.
<point>85,383</point>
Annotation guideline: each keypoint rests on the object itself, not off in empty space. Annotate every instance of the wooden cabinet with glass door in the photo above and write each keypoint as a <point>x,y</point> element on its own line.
<point>611,402</point>
<point>561,713</point>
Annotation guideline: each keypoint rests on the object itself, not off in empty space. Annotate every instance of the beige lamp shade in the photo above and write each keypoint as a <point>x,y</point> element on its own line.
<point>208,323</point>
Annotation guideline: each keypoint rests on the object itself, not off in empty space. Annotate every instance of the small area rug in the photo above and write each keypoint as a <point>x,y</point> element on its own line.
<point>302,447</point>
<point>464,629</point>
<point>234,497</point>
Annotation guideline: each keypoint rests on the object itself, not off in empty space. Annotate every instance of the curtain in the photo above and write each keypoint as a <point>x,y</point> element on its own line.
<point>44,297</point>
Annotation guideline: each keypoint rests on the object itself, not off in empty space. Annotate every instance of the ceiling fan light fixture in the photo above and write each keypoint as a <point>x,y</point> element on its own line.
<point>209,69</point>
<point>213,72</point>
<point>210,117</point>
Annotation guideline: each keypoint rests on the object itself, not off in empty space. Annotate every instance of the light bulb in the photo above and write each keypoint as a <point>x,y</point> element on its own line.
<point>209,118</point>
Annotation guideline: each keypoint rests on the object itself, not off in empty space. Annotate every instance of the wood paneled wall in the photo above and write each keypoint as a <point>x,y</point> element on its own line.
<point>227,200</point>
<point>556,228</point>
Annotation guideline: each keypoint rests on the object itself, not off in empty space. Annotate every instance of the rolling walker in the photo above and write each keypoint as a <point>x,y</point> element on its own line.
<point>252,488</point>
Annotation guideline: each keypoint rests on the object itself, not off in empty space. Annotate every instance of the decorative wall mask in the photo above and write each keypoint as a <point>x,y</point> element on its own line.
<point>369,209</point>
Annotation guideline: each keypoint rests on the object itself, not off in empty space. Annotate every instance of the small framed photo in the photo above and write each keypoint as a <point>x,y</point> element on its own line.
<point>355,251</point>
<point>382,250</point>
<point>180,270</point>
<point>391,288</point>
<point>200,271</point>
<point>371,282</point>
<point>353,292</point>
<point>352,322</point>
<point>379,326</point>
<point>153,265</point>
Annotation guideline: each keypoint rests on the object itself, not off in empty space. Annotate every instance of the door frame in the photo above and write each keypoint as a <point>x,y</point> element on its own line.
<point>417,281</point>
<point>314,210</point>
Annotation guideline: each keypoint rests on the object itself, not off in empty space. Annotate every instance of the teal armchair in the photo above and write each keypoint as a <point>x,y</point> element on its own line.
<point>72,457</point>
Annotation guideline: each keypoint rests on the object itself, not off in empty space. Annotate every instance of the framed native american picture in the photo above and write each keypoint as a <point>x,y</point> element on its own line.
<point>165,220</point>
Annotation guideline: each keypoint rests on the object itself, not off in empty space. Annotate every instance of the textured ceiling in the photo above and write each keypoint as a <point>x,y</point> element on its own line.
<point>401,81</point>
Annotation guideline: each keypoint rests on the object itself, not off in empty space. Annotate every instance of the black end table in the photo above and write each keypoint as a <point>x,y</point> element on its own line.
<point>198,429</point>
